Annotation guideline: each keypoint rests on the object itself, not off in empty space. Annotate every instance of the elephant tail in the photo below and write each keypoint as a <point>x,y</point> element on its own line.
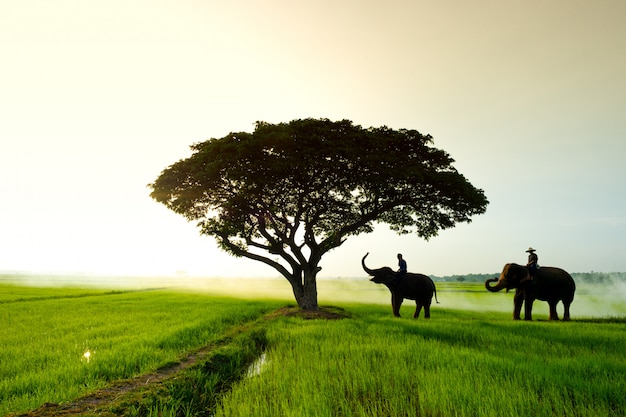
<point>435,290</point>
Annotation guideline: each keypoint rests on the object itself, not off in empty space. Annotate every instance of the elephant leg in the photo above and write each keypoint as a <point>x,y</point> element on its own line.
<point>518,300</point>
<point>427,310</point>
<point>553,314</point>
<point>528,309</point>
<point>396,303</point>
<point>418,309</point>
<point>566,316</point>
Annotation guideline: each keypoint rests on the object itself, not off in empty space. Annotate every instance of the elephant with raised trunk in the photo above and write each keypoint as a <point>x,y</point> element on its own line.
<point>549,284</point>
<point>411,286</point>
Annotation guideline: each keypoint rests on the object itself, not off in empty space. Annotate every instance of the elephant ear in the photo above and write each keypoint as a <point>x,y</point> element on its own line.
<point>523,275</point>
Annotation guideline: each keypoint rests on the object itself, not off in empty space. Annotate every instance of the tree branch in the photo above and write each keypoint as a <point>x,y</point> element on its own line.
<point>237,251</point>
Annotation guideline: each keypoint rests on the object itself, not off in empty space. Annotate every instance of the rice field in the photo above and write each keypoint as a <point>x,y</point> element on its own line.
<point>456,364</point>
<point>54,348</point>
<point>469,359</point>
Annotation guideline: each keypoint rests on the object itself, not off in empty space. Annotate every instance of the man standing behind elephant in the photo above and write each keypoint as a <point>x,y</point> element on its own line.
<point>532,262</point>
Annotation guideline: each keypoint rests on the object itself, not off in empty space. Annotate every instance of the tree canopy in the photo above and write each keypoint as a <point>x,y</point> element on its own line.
<point>288,193</point>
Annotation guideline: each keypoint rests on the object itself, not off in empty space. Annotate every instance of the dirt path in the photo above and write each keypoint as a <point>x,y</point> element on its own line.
<point>117,389</point>
<point>102,398</point>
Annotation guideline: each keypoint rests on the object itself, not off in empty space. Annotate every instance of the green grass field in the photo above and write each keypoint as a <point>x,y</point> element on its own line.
<point>456,364</point>
<point>55,347</point>
<point>469,359</point>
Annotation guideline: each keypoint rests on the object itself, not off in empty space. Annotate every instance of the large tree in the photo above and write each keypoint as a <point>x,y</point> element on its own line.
<point>288,193</point>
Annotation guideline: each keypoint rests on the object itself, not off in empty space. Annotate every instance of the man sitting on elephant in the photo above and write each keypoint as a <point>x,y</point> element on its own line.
<point>532,263</point>
<point>401,269</point>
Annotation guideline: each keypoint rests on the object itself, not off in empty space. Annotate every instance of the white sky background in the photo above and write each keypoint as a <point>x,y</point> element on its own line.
<point>97,98</point>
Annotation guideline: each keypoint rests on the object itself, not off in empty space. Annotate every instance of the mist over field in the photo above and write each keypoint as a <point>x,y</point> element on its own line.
<point>606,299</point>
<point>603,299</point>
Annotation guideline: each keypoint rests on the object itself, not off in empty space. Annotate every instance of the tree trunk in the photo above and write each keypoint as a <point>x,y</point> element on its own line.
<point>306,295</point>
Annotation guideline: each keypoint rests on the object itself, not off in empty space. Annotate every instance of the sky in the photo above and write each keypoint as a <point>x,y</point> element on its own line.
<point>97,98</point>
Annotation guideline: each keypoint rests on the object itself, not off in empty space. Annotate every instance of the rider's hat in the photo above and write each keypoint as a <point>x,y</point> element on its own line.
<point>531,250</point>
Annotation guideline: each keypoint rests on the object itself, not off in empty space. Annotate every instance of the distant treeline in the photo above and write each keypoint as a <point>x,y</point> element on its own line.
<point>466,277</point>
<point>579,277</point>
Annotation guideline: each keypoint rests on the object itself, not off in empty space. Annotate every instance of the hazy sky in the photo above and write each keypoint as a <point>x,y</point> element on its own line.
<point>97,97</point>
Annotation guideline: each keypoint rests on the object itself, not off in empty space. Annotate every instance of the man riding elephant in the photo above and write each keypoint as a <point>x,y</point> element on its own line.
<point>532,263</point>
<point>402,268</point>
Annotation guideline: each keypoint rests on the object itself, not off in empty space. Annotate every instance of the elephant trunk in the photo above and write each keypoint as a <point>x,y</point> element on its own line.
<point>500,284</point>
<point>365,268</point>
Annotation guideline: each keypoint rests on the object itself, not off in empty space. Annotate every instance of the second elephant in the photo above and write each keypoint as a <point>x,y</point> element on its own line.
<point>549,284</point>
